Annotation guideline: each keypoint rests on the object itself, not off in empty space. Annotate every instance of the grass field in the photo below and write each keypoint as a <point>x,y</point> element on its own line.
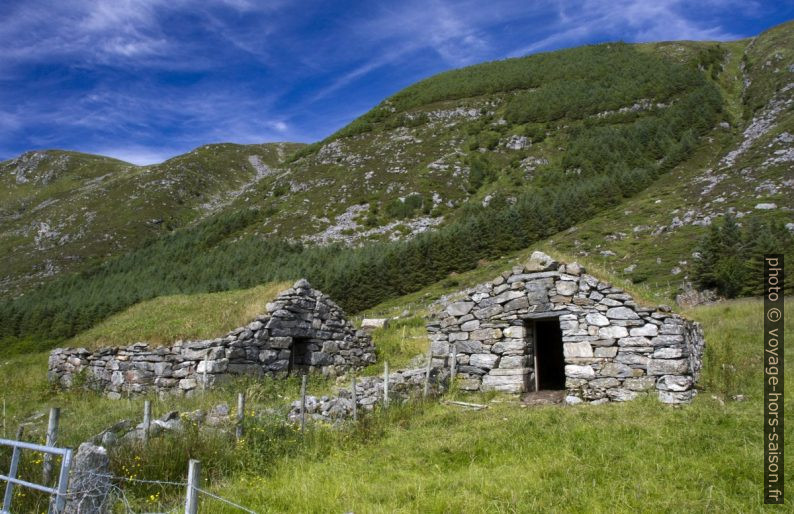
<point>165,319</point>
<point>635,457</point>
<point>640,456</point>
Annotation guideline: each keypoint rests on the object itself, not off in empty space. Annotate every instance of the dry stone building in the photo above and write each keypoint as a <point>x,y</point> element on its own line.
<point>303,330</point>
<point>549,325</point>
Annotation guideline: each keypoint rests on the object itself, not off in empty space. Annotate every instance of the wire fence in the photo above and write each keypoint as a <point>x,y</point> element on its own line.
<point>105,490</point>
<point>108,490</point>
<point>121,497</point>
<point>224,500</point>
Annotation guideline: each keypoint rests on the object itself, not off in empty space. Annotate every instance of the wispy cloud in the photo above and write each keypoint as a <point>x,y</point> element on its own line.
<point>579,21</point>
<point>135,154</point>
<point>144,79</point>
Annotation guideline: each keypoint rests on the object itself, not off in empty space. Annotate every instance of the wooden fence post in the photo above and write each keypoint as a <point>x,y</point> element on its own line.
<point>147,418</point>
<point>427,373</point>
<point>303,402</point>
<point>240,415</point>
<point>204,375</point>
<point>52,438</point>
<point>385,384</point>
<point>355,399</point>
<point>454,364</point>
<point>193,479</point>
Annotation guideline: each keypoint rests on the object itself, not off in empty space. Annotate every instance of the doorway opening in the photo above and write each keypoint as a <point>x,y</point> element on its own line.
<point>299,356</point>
<point>549,359</point>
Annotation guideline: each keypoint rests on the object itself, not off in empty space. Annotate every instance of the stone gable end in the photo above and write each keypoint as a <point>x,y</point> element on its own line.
<point>303,329</point>
<point>612,348</point>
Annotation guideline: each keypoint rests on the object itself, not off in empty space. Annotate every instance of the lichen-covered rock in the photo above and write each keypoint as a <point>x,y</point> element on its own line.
<point>89,481</point>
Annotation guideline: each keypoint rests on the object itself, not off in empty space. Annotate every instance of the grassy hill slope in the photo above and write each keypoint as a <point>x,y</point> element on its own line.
<point>528,151</point>
<point>166,319</point>
<point>65,211</point>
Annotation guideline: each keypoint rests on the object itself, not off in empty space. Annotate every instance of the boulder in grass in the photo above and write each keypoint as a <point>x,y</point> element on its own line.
<point>370,324</point>
<point>539,261</point>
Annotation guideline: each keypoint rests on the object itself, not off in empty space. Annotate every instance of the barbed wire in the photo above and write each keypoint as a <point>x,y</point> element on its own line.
<point>224,500</point>
<point>136,480</point>
<point>114,490</point>
<point>164,482</point>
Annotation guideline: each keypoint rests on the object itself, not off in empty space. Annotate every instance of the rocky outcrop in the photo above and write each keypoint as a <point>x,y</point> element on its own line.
<point>612,348</point>
<point>303,329</point>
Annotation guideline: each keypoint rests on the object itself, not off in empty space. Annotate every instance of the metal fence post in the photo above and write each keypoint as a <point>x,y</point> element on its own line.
<point>63,482</point>
<point>454,363</point>
<point>193,478</point>
<point>12,473</point>
<point>57,494</point>
<point>52,437</point>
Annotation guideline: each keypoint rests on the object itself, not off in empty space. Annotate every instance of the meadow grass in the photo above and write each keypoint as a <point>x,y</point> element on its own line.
<point>399,343</point>
<point>640,456</point>
<point>165,319</point>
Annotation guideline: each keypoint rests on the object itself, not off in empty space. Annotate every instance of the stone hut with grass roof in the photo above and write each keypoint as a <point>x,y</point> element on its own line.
<point>302,331</point>
<point>551,326</point>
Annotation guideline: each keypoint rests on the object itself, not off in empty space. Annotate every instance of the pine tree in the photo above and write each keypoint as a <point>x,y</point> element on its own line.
<point>759,240</point>
<point>708,254</point>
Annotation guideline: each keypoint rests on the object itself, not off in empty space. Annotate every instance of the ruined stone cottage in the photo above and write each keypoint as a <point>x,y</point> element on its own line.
<point>303,330</point>
<point>551,326</point>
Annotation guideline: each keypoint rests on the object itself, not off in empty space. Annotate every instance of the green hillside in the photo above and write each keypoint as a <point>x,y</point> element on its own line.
<point>622,152</point>
<point>66,211</point>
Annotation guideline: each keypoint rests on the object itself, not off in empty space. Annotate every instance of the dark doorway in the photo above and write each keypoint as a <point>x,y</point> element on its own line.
<point>549,361</point>
<point>299,355</point>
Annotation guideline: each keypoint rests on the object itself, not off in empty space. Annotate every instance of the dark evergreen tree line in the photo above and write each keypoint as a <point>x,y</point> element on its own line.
<point>731,257</point>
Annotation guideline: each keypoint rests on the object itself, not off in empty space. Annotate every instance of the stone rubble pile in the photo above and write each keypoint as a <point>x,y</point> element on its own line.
<point>303,329</point>
<point>403,386</point>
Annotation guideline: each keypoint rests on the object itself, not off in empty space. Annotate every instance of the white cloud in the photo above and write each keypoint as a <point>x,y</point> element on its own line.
<point>452,29</point>
<point>279,126</point>
<point>9,121</point>
<point>109,32</point>
<point>140,156</point>
<point>629,20</point>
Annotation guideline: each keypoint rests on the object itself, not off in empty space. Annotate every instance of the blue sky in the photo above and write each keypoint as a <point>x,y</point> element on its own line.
<point>144,80</point>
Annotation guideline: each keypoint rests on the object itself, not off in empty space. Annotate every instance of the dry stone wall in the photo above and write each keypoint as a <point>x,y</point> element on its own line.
<point>613,349</point>
<point>404,385</point>
<point>303,329</point>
